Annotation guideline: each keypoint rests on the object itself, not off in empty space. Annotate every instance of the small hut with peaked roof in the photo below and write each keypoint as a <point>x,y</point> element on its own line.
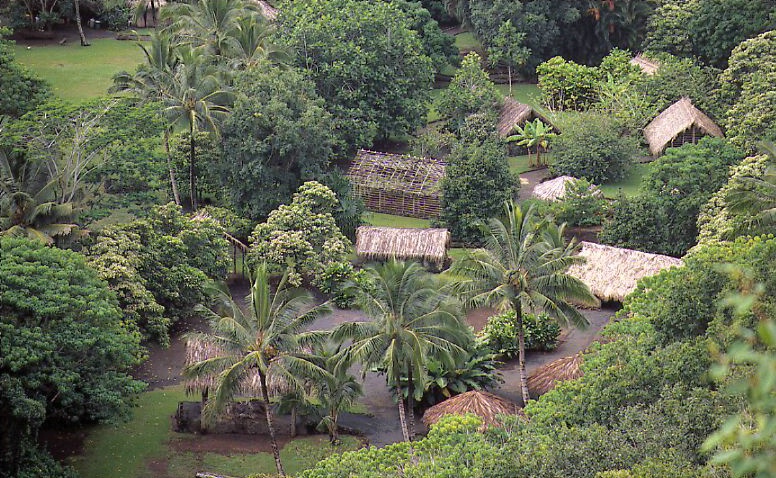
<point>485,405</point>
<point>555,189</point>
<point>398,184</point>
<point>514,113</point>
<point>611,273</point>
<point>678,124</point>
<point>428,246</point>
<point>544,379</point>
<point>649,67</point>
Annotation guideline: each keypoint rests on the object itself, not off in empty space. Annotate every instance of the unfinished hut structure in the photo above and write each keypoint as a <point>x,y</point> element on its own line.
<point>680,123</point>
<point>398,184</point>
<point>428,246</point>
<point>544,378</point>
<point>647,66</point>
<point>611,273</point>
<point>485,405</point>
<point>514,113</point>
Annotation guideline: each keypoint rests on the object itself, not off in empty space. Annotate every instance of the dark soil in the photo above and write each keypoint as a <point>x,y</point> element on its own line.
<point>225,444</point>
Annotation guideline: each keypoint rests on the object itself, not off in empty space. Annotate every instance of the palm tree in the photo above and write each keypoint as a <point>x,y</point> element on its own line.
<point>337,392</point>
<point>412,322</point>
<point>267,341</point>
<point>756,197</point>
<point>196,101</point>
<point>250,43</point>
<point>77,6</point>
<point>523,268</point>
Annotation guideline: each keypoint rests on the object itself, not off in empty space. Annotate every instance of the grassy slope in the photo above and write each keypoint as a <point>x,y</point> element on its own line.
<point>389,220</point>
<point>78,73</point>
<point>628,186</point>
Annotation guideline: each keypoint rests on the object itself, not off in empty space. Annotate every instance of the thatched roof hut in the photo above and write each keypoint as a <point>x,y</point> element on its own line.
<point>514,113</point>
<point>483,404</point>
<point>680,123</point>
<point>398,184</point>
<point>611,273</point>
<point>428,246</point>
<point>544,379</point>
<point>648,66</point>
<point>554,189</point>
<point>198,350</point>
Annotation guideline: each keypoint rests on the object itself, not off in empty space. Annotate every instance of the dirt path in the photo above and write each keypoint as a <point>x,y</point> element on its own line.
<point>529,180</point>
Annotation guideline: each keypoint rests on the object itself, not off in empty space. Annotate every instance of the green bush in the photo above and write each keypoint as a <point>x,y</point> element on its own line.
<point>20,90</point>
<point>500,333</point>
<point>583,205</point>
<point>470,92</point>
<point>592,148</point>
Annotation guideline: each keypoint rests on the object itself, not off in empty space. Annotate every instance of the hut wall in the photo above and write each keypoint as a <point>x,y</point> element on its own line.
<point>400,203</point>
<point>690,135</point>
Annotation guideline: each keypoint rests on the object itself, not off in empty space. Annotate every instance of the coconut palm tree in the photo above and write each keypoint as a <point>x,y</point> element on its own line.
<point>250,43</point>
<point>523,267</point>
<point>268,340</point>
<point>412,321</point>
<point>756,197</point>
<point>337,392</point>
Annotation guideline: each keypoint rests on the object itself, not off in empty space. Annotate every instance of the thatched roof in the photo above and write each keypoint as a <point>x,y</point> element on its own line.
<point>483,404</point>
<point>611,273</point>
<point>198,350</point>
<point>648,66</point>
<point>514,113</point>
<point>554,189</point>
<point>268,11</point>
<point>676,119</point>
<point>544,379</point>
<point>383,243</point>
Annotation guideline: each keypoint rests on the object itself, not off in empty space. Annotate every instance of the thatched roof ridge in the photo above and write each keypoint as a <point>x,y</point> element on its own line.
<point>554,189</point>
<point>383,243</point>
<point>198,350</point>
<point>485,405</point>
<point>514,113</point>
<point>544,379</point>
<point>648,66</point>
<point>611,273</point>
<point>674,120</point>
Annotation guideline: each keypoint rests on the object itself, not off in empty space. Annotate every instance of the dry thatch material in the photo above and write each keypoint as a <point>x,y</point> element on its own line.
<point>554,189</point>
<point>429,246</point>
<point>485,405</point>
<point>268,11</point>
<point>680,123</point>
<point>548,375</point>
<point>611,273</point>
<point>398,184</point>
<point>514,113</point>
<point>648,66</point>
<point>198,350</point>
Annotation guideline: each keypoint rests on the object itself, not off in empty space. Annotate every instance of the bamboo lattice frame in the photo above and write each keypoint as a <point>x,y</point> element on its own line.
<point>398,184</point>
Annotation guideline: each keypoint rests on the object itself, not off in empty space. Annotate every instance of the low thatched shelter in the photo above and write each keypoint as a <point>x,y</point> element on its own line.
<point>485,405</point>
<point>647,66</point>
<point>398,184</point>
<point>554,189</point>
<point>680,123</point>
<point>514,113</point>
<point>198,350</point>
<point>544,379</point>
<point>611,273</point>
<point>428,246</point>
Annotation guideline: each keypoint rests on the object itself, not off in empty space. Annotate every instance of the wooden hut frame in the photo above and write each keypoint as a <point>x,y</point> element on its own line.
<point>679,124</point>
<point>398,184</point>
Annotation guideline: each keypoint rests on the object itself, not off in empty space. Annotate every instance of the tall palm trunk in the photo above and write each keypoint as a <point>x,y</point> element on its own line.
<point>521,354</point>
<point>192,168</point>
<point>270,427</point>
<point>292,430</point>
<point>410,403</point>
<point>403,419</point>
<point>509,76</point>
<point>173,181</point>
<point>77,4</point>
<point>333,428</point>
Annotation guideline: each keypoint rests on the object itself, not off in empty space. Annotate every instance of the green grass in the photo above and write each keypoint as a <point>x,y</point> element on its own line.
<point>79,73</point>
<point>527,93</point>
<point>628,186</point>
<point>389,220</point>
<point>520,164</point>
<point>467,41</point>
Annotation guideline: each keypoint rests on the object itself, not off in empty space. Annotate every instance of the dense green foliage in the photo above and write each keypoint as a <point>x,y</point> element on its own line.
<point>662,219</point>
<point>475,186</point>
<point>64,353</point>
<point>20,90</point>
<point>278,136</point>
<point>437,45</point>
<point>592,148</point>
<point>470,92</point>
<point>366,62</point>
<point>500,333</point>
<point>583,205</point>
<point>301,237</point>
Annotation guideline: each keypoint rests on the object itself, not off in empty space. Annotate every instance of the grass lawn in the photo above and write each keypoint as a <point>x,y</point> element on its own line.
<point>389,220</point>
<point>519,164</point>
<point>527,93</point>
<point>126,449</point>
<point>78,73</point>
<point>467,41</point>
<point>630,185</point>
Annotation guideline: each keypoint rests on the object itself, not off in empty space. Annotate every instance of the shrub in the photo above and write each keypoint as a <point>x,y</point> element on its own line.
<point>592,148</point>
<point>342,282</point>
<point>583,205</point>
<point>500,333</point>
<point>20,90</point>
<point>470,92</point>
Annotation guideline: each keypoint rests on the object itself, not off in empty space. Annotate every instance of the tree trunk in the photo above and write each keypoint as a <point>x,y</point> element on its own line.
<point>270,427</point>
<point>173,181</point>
<point>77,5</point>
<point>402,419</point>
<point>293,422</point>
<point>538,155</point>
<point>521,354</point>
<point>192,170</point>
<point>509,76</point>
<point>410,403</point>
<point>333,431</point>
